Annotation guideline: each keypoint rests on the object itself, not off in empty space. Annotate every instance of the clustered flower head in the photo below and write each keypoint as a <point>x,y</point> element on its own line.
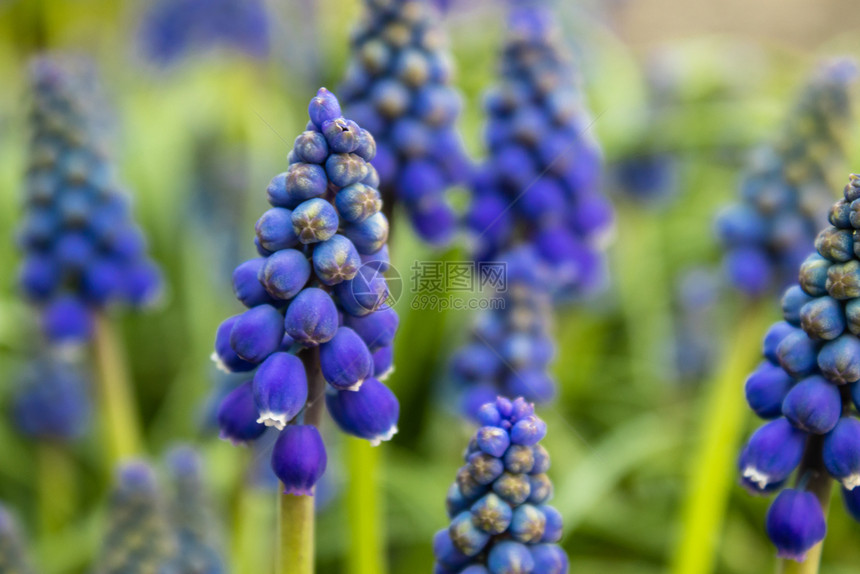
<point>786,193</point>
<point>82,251</point>
<point>191,515</point>
<point>13,555</point>
<point>138,538</point>
<point>500,520</point>
<point>510,347</point>
<point>399,88</point>
<point>541,181</point>
<point>317,293</point>
<point>51,401</point>
<point>808,386</point>
<point>173,28</point>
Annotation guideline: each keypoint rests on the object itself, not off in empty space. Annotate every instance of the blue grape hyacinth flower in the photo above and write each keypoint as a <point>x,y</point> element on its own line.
<point>316,311</point>
<point>191,516</point>
<point>138,536</point>
<point>541,181</point>
<point>52,401</point>
<point>510,347</point>
<point>82,251</point>
<point>172,29</point>
<point>785,192</point>
<point>399,87</point>
<point>807,387</point>
<point>501,521</point>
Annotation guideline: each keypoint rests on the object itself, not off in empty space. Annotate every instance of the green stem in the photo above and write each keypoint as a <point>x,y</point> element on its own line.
<point>295,552</point>
<point>711,475</point>
<point>363,504</point>
<point>120,424</point>
<point>57,489</point>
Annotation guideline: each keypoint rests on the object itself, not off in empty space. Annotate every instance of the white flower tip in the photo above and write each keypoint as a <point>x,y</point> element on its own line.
<point>376,441</point>
<point>385,374</point>
<point>219,364</point>
<point>756,477</point>
<point>270,419</point>
<point>851,481</point>
<point>356,386</point>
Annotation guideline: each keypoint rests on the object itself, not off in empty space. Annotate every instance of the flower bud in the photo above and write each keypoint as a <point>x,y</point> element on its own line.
<point>771,455</point>
<point>792,302</point>
<point>813,275</point>
<point>66,320</point>
<point>336,260</point>
<point>323,107</point>
<point>528,524</point>
<point>841,452</point>
<point>491,514</point>
<point>368,235</point>
<point>376,329</point>
<point>237,416</point>
<point>797,354</point>
<point>510,558</point>
<point>275,231</point>
<point>549,559</point>
<point>446,552</point>
<point>365,293</point>
<point>345,360</point>
<point>813,405</point>
<point>311,318</point>
<point>528,431</point>
<point>383,362</point>
<point>303,181</point>
<point>795,523</point>
<point>247,286</point>
<point>357,202</point>
<point>299,459</point>
<point>257,333</point>
<point>839,360</point>
<point>280,389</point>
<point>314,220</point>
<point>493,440</point>
<point>766,388</point>
<point>835,244</point>
<point>311,147</point>
<point>344,169</point>
<point>468,538</point>
<point>285,273</point>
<point>370,413</point>
<point>823,318</point>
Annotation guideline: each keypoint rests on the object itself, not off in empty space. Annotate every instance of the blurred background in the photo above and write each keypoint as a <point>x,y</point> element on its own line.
<point>699,84</point>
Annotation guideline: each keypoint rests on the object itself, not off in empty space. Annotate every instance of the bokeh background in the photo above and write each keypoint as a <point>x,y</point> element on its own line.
<point>196,144</point>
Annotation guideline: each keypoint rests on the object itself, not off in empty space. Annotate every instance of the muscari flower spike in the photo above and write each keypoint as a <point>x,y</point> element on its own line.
<point>138,537</point>
<point>399,87</point>
<point>52,402</point>
<point>317,285</point>
<point>13,554</point>
<point>191,516</point>
<point>173,28</point>
<point>82,251</point>
<point>510,347</point>
<point>501,522</point>
<point>807,386</point>
<point>541,180</point>
<point>786,192</point>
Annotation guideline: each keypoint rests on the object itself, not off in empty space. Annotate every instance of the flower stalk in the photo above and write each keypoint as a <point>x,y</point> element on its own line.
<point>120,422</point>
<point>295,552</point>
<point>363,503</point>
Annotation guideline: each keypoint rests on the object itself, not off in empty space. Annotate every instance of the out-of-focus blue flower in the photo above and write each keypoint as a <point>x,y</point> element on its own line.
<point>173,28</point>
<point>191,517</point>
<point>785,192</point>
<point>82,251</point>
<point>310,291</point>
<point>510,348</point>
<point>13,554</point>
<point>810,377</point>
<point>138,538</point>
<point>52,401</point>
<point>695,343</point>
<point>500,519</point>
<point>399,88</point>
<point>541,180</point>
